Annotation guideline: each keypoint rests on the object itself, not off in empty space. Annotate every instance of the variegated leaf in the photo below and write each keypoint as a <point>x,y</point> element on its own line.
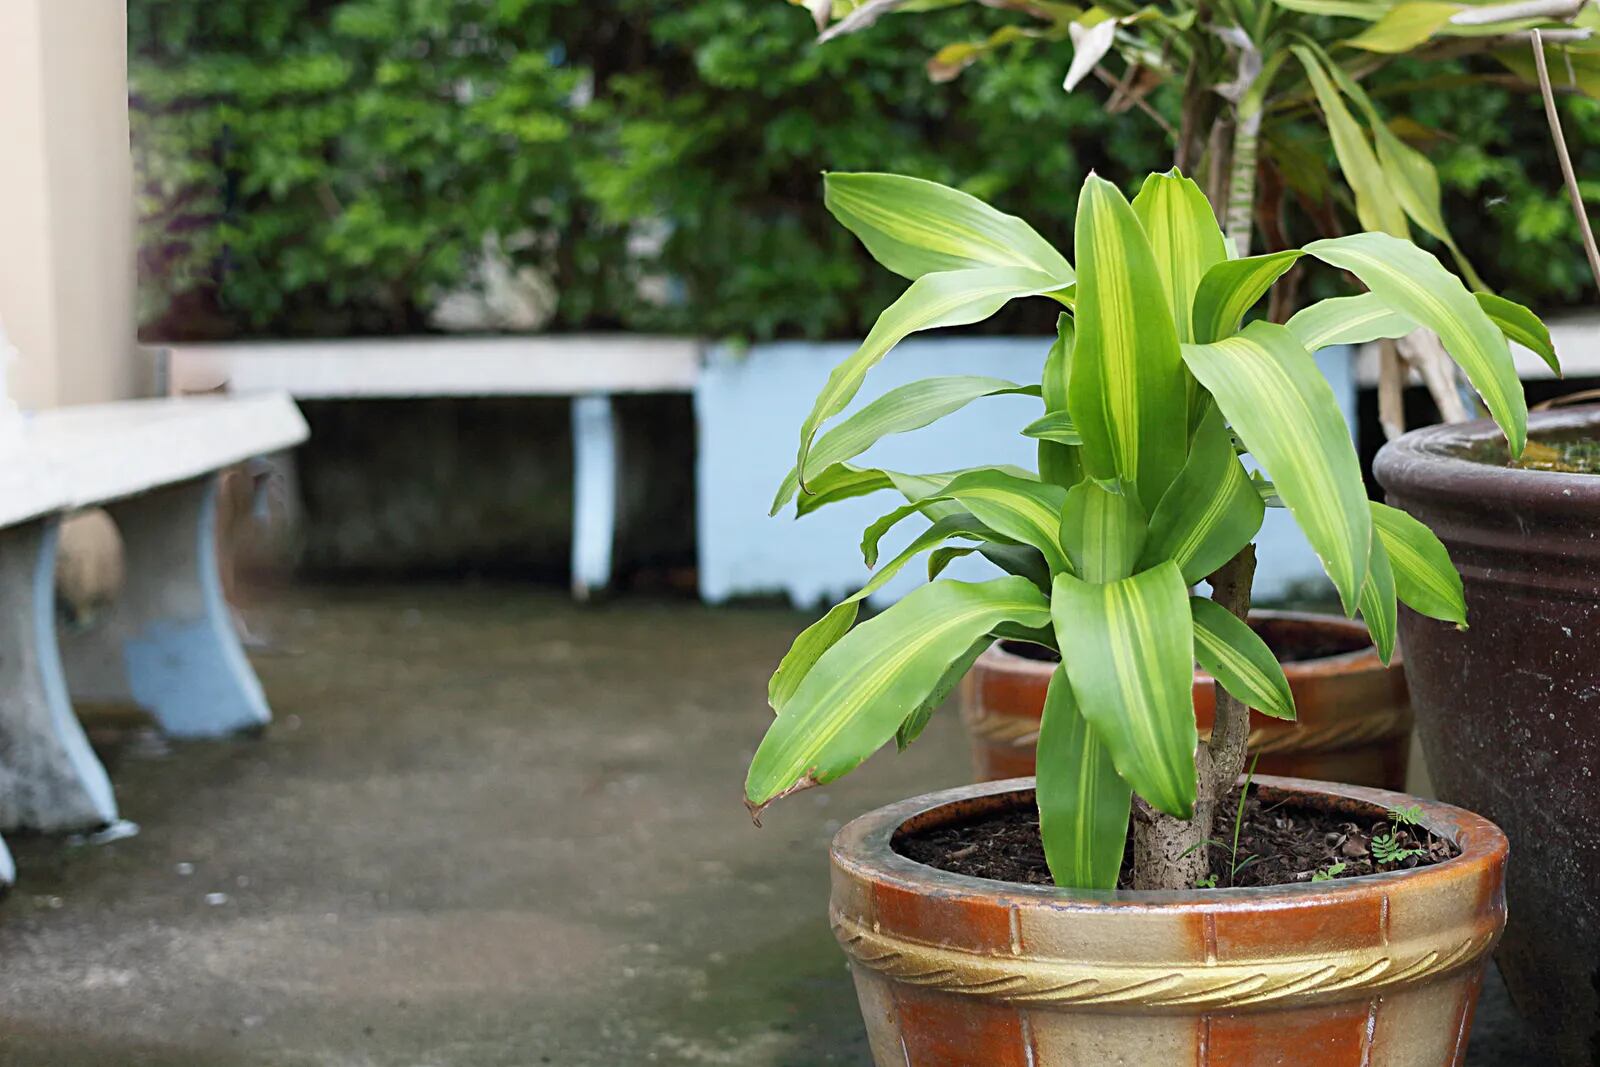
<point>1347,320</point>
<point>1184,237</point>
<point>1234,654</point>
<point>1232,288</point>
<point>1212,510</point>
<point>1103,532</point>
<point>1083,803</point>
<point>1424,577</point>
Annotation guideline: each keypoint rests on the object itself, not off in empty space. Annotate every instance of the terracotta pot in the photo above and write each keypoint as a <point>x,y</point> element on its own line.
<point>1354,716</point>
<point>954,971</point>
<point>1509,710</point>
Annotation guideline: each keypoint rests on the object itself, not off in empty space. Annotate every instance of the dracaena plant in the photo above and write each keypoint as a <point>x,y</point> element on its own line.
<point>1152,392</point>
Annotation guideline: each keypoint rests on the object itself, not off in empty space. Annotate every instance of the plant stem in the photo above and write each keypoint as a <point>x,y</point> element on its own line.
<point>1240,218</point>
<point>1230,730</point>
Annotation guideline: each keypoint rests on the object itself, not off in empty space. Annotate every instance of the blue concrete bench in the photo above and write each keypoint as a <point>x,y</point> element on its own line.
<point>167,643</point>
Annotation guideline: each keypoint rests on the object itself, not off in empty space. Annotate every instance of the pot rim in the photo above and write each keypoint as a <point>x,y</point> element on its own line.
<point>863,847</point>
<point>999,657</point>
<point>1422,464</point>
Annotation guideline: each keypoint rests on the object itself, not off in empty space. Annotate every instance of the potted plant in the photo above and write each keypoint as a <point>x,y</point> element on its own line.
<point>1506,709</point>
<point>1150,393</point>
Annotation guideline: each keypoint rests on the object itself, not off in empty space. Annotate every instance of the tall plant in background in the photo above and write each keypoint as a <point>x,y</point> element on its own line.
<point>1150,393</point>
<point>1251,72</point>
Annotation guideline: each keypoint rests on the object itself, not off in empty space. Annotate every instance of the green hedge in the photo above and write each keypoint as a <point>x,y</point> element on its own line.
<point>316,167</point>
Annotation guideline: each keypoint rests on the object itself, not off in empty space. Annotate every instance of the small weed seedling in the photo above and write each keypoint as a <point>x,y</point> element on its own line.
<point>1386,847</point>
<point>1329,873</point>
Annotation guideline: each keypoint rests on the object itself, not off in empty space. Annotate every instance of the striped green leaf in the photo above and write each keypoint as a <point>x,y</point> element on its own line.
<point>1103,531</point>
<point>1127,394</point>
<point>909,730</point>
<point>1211,511</point>
<point>1378,607</point>
<point>1056,426</point>
<point>1128,648</point>
<point>1404,27</point>
<point>844,481</point>
<point>1366,10</point>
<point>1239,660</point>
<point>1230,289</point>
<point>948,298</point>
<point>1415,284</point>
<point>916,227</point>
<point>1060,463</point>
<point>1424,577</point>
<point>1017,509</point>
<point>1269,388</point>
<point>1376,206</point>
<point>907,407</point>
<point>1184,237</point>
<point>1522,326</point>
<point>863,688</point>
<point>1347,320</point>
<point>1083,803</point>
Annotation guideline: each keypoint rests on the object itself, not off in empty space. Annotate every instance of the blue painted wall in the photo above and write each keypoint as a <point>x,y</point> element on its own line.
<point>749,407</point>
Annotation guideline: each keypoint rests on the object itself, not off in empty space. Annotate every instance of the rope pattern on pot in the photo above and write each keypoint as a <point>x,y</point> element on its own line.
<point>1150,986</point>
<point>1355,728</point>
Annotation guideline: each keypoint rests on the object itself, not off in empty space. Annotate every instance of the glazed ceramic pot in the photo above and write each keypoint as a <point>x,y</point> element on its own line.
<point>1376,971</point>
<point>1509,710</point>
<point>1354,720</point>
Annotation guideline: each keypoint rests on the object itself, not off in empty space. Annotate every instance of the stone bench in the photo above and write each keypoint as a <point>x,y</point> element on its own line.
<point>168,643</point>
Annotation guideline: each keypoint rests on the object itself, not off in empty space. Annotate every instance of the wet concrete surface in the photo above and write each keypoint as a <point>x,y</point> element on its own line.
<point>487,828</point>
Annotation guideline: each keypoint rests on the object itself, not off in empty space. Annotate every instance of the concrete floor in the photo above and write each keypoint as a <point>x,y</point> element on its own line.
<point>487,828</point>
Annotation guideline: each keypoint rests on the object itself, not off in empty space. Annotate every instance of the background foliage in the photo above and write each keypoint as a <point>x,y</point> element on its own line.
<point>332,166</point>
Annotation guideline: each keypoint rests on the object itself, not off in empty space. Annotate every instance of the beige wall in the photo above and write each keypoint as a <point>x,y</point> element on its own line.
<point>66,201</point>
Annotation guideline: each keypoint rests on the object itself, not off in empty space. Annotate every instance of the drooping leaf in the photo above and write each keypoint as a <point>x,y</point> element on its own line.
<point>1103,531</point>
<point>1378,607</point>
<point>907,407</point>
<point>1269,388</point>
<point>1017,509</point>
<point>1056,426</point>
<point>1347,320</point>
<point>1183,233</point>
<point>1366,10</point>
<point>1376,206</point>
<point>1083,803</point>
<point>1230,289</point>
<point>1404,27</point>
<point>1128,648</point>
<point>1212,510</point>
<point>1424,577</point>
<point>1522,326</point>
<point>947,298</point>
<point>916,227</point>
<point>1415,284</point>
<point>1127,394</point>
<point>918,720</point>
<point>844,481</point>
<point>1240,661</point>
<point>861,689</point>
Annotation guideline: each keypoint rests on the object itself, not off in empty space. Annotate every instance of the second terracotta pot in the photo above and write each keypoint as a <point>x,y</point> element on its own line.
<point>1354,720</point>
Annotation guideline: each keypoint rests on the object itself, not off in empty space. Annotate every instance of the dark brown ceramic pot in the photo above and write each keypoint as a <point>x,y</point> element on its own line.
<point>1509,710</point>
<point>1377,971</point>
<point>1354,721</point>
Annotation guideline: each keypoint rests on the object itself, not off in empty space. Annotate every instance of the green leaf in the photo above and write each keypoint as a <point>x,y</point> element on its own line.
<point>1404,27</point>
<point>1378,606</point>
<point>1103,532</point>
<point>1018,509</point>
<point>1184,238</point>
<point>1083,803</point>
<point>916,227</point>
<point>1347,320</point>
<point>843,481</point>
<point>1056,426</point>
<point>1415,284</point>
<point>1424,577</point>
<point>863,688</point>
<point>907,407</point>
<point>1269,388</point>
<point>1230,289</point>
<point>1522,326</point>
<point>1128,648</point>
<point>917,721</point>
<point>1127,395</point>
<point>1366,10</point>
<point>1211,511</point>
<point>1234,654</point>
<point>949,298</point>
<point>1376,207</point>
<point>1059,462</point>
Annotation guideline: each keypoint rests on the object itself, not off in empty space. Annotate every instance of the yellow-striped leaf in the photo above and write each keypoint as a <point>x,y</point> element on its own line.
<point>1128,648</point>
<point>1269,388</point>
<point>916,227</point>
<point>947,298</point>
<point>1059,462</point>
<point>863,688</point>
<point>1230,289</point>
<point>1347,320</point>
<point>1103,532</point>
<point>1376,206</point>
<point>1184,237</point>
<point>907,407</point>
<point>1211,511</point>
<point>1378,607</point>
<point>1522,326</point>
<point>1127,394</point>
<point>1056,426</point>
<point>1424,577</point>
<point>1083,803</point>
<point>1239,660</point>
<point>1415,284</point>
<point>1017,509</point>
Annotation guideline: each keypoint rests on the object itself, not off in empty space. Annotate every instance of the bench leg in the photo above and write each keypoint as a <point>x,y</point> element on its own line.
<point>50,779</point>
<point>594,493</point>
<point>168,644</point>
